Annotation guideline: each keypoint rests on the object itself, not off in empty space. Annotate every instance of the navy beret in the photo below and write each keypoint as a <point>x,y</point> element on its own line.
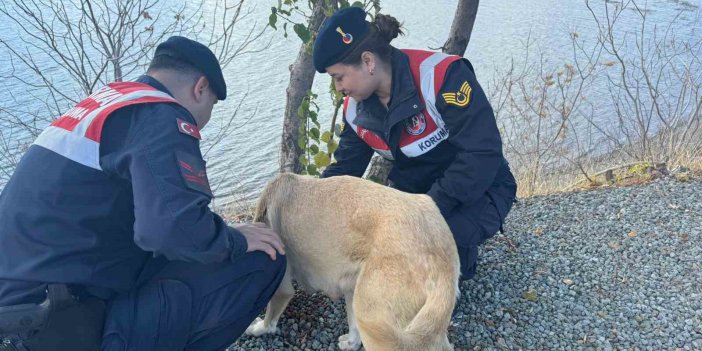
<point>197,55</point>
<point>340,34</point>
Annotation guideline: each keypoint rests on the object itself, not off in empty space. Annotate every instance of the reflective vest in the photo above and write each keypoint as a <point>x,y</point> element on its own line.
<point>76,134</point>
<point>427,129</point>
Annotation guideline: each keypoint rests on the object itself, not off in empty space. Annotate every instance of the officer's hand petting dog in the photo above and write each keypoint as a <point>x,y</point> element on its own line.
<point>260,237</point>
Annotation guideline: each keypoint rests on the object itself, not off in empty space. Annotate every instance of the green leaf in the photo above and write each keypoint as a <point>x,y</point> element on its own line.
<point>314,149</point>
<point>335,95</point>
<point>312,169</point>
<point>303,160</point>
<point>303,109</point>
<point>322,159</point>
<point>337,129</point>
<point>314,133</point>
<point>302,32</point>
<point>329,11</point>
<point>530,295</point>
<point>301,143</point>
<point>272,19</point>
<point>285,29</point>
<point>332,146</point>
<point>326,136</point>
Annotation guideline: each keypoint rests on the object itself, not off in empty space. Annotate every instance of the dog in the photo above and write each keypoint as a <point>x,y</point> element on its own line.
<point>390,254</point>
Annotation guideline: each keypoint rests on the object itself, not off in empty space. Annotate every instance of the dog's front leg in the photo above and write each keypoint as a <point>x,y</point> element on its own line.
<point>352,340</point>
<point>275,308</point>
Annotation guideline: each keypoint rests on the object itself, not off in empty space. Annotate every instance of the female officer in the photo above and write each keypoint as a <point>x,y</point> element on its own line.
<point>424,111</point>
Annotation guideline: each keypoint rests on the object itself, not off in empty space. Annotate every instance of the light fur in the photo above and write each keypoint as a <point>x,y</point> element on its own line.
<point>390,254</point>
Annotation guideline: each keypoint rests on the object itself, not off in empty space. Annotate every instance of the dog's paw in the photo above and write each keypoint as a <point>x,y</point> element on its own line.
<point>258,328</point>
<point>349,342</point>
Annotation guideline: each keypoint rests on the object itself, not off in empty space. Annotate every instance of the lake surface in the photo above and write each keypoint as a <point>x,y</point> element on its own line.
<point>240,164</point>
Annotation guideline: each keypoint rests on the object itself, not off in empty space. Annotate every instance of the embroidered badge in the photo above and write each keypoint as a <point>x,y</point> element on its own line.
<point>460,98</point>
<point>347,38</point>
<point>416,125</point>
<point>187,128</point>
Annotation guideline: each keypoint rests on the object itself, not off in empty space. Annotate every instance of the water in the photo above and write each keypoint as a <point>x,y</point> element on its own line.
<point>240,164</point>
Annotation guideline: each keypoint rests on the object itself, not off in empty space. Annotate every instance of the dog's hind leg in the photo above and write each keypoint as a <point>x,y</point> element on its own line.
<point>275,308</point>
<point>352,340</point>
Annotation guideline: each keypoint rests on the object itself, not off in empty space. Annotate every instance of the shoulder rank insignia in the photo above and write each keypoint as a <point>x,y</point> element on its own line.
<point>460,98</point>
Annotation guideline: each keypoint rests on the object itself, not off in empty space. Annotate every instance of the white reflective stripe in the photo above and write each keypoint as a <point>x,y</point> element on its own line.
<point>426,78</point>
<point>70,145</point>
<point>82,127</point>
<point>426,75</point>
<point>351,116</point>
<point>427,143</point>
<point>385,154</point>
<point>351,112</point>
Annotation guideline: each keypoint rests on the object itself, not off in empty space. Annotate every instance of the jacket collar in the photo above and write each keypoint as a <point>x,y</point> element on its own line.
<point>158,85</point>
<point>154,83</point>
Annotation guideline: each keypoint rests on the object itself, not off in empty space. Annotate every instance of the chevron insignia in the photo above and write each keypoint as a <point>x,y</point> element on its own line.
<point>460,98</point>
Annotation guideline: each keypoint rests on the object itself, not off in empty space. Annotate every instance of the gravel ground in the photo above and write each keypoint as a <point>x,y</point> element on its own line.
<point>617,268</point>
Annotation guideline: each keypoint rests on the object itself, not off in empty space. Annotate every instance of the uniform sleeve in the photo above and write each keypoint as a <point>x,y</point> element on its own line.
<point>473,131</point>
<point>171,191</point>
<point>352,156</point>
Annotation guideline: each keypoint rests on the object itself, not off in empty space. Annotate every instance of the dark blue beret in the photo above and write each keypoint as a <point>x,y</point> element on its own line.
<point>197,55</point>
<point>340,34</point>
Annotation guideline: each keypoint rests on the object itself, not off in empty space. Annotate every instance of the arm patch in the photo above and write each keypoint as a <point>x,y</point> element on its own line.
<point>192,169</point>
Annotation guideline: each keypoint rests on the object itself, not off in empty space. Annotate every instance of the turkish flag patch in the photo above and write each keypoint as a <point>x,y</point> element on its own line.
<point>189,129</point>
<point>193,171</point>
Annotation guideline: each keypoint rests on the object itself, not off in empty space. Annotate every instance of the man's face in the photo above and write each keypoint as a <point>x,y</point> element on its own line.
<point>210,101</point>
<point>205,99</point>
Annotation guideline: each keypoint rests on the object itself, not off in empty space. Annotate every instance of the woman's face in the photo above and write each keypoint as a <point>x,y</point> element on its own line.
<point>353,80</point>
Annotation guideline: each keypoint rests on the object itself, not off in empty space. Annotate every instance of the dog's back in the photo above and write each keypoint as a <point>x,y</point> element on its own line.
<point>394,249</point>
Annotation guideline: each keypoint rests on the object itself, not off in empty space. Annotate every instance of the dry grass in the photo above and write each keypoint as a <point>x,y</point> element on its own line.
<point>628,174</point>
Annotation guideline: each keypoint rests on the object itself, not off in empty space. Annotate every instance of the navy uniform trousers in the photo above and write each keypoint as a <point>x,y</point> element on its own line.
<point>472,225</point>
<point>190,306</point>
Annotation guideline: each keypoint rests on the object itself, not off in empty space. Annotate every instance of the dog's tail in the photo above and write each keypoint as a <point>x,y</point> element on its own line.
<point>435,316</point>
<point>425,329</point>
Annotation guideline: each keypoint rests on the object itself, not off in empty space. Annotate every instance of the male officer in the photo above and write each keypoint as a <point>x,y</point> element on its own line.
<point>106,218</point>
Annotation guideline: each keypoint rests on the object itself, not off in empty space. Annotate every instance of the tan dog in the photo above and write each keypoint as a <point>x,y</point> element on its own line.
<point>390,254</point>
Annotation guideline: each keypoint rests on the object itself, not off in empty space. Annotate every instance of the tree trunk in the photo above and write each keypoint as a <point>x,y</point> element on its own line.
<point>379,170</point>
<point>301,78</point>
<point>462,27</point>
<point>459,36</point>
